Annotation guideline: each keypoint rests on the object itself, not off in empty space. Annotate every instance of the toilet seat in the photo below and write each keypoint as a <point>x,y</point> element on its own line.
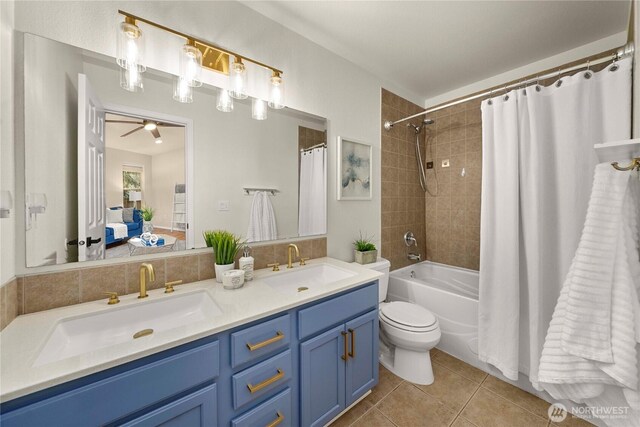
<point>408,316</point>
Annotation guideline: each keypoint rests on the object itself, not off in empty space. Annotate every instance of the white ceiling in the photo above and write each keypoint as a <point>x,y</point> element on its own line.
<point>141,142</point>
<point>431,47</point>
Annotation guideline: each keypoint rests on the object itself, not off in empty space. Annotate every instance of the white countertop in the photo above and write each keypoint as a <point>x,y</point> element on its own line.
<point>22,340</point>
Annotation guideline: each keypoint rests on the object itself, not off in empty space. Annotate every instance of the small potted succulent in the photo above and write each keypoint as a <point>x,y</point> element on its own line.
<point>225,246</point>
<point>365,250</point>
<point>147,215</point>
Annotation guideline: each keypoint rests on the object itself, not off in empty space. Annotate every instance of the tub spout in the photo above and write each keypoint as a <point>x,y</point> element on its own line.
<point>414,257</point>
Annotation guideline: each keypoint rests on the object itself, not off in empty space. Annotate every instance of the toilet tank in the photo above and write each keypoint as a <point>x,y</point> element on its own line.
<point>383,266</point>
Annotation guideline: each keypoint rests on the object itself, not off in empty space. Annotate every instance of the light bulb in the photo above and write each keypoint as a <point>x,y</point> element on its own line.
<point>225,101</point>
<point>182,92</point>
<point>130,49</point>
<point>191,64</point>
<point>259,109</point>
<point>158,140</point>
<point>276,91</point>
<point>238,79</point>
<point>150,126</point>
<point>131,79</point>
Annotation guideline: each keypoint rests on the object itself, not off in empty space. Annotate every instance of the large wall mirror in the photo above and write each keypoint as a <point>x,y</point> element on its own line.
<point>105,166</point>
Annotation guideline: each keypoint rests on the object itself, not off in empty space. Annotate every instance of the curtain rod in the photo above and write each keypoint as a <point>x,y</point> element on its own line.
<point>618,53</point>
<point>323,145</point>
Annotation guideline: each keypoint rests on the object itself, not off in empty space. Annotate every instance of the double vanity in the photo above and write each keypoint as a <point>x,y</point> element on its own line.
<point>290,348</point>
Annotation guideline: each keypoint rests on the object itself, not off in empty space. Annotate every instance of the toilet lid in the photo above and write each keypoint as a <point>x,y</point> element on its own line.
<point>408,314</point>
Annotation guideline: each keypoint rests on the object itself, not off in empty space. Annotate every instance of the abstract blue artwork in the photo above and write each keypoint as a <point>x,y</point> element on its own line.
<point>354,168</point>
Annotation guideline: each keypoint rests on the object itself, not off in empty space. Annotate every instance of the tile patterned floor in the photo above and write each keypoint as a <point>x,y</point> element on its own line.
<point>461,396</point>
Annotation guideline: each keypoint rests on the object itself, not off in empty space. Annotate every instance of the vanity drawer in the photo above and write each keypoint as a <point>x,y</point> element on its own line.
<point>326,314</point>
<point>275,410</point>
<point>259,340</point>
<point>114,397</point>
<point>260,379</point>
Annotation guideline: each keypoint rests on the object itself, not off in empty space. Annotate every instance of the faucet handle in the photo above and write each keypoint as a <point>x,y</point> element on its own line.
<point>275,265</point>
<point>303,261</point>
<point>113,297</point>
<point>168,287</point>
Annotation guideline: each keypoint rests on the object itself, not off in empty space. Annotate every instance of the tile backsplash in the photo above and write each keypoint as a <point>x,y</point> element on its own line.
<point>38,292</point>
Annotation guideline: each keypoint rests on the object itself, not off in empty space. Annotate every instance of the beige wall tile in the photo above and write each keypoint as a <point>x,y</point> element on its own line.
<point>52,290</point>
<point>94,282</point>
<point>9,307</point>
<point>183,268</point>
<point>206,266</point>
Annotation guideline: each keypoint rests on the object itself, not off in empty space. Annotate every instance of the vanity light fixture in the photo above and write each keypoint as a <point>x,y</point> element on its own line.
<point>194,55</point>
<point>191,64</point>
<point>225,101</point>
<point>182,92</point>
<point>276,91</point>
<point>259,109</point>
<point>158,140</point>
<point>238,79</point>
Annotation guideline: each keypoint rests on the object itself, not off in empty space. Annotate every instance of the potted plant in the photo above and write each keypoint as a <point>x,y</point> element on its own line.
<point>225,248</point>
<point>147,216</point>
<point>365,250</point>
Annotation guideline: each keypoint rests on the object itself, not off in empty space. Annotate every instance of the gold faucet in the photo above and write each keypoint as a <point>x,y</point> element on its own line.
<point>144,267</point>
<point>292,246</point>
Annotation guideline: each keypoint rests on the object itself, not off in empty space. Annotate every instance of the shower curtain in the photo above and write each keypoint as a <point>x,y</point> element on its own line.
<point>312,210</point>
<point>537,170</point>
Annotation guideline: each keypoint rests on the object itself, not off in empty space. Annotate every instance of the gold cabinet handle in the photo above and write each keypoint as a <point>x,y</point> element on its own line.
<point>345,354</point>
<point>254,347</point>
<point>352,353</point>
<point>278,420</point>
<point>253,388</point>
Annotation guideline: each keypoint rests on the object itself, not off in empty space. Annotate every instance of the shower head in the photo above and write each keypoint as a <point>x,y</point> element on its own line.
<point>428,121</point>
<point>417,129</point>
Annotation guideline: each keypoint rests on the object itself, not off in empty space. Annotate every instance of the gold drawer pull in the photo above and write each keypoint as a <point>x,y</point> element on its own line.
<point>278,420</point>
<point>352,353</point>
<point>267,382</point>
<point>254,347</point>
<point>345,354</point>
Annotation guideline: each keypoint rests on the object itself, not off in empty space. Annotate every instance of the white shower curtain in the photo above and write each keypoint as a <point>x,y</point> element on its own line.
<point>537,171</point>
<point>312,211</point>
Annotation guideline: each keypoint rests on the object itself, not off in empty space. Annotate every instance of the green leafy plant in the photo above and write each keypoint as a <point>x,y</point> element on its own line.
<point>225,245</point>
<point>364,244</point>
<point>147,213</point>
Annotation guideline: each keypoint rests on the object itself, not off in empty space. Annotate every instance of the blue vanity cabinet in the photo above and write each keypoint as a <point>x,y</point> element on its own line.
<point>338,366</point>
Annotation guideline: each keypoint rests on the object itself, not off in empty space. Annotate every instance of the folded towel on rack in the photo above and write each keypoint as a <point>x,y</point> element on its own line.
<point>591,350</point>
<point>262,220</point>
<point>119,230</point>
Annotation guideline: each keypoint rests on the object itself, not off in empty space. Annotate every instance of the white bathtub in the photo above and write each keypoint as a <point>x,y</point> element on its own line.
<point>451,293</point>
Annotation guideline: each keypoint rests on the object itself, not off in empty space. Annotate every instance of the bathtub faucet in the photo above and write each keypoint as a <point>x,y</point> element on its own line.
<point>414,257</point>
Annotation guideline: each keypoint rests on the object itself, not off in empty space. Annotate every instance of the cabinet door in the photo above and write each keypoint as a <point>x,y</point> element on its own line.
<point>195,410</point>
<point>322,370</point>
<point>362,367</point>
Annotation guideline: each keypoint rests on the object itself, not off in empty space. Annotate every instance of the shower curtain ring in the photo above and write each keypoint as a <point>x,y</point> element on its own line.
<point>506,97</point>
<point>614,64</point>
<point>490,102</point>
<point>587,74</point>
<point>538,88</point>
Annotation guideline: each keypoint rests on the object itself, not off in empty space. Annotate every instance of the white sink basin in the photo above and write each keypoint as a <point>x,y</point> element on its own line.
<point>306,278</point>
<point>83,334</point>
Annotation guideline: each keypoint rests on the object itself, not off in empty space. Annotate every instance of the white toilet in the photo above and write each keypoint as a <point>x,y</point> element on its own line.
<point>407,333</point>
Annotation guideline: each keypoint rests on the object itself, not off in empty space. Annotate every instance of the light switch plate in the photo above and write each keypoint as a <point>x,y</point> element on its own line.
<point>223,205</point>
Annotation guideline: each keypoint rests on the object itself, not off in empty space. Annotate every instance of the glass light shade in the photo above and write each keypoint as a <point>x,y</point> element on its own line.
<point>276,92</point>
<point>225,101</point>
<point>238,79</point>
<point>158,140</point>
<point>131,79</point>
<point>259,109</point>
<point>130,53</point>
<point>182,92</point>
<point>191,65</point>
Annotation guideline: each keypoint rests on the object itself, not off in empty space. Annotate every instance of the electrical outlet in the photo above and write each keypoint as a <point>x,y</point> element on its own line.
<point>223,205</point>
<point>445,163</point>
<point>429,165</point>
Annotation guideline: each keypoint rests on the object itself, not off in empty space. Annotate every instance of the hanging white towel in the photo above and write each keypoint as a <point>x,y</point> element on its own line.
<point>119,230</point>
<point>591,350</point>
<point>262,221</point>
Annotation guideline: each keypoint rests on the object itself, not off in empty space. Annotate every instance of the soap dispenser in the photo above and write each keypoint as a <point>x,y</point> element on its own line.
<point>246,263</point>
